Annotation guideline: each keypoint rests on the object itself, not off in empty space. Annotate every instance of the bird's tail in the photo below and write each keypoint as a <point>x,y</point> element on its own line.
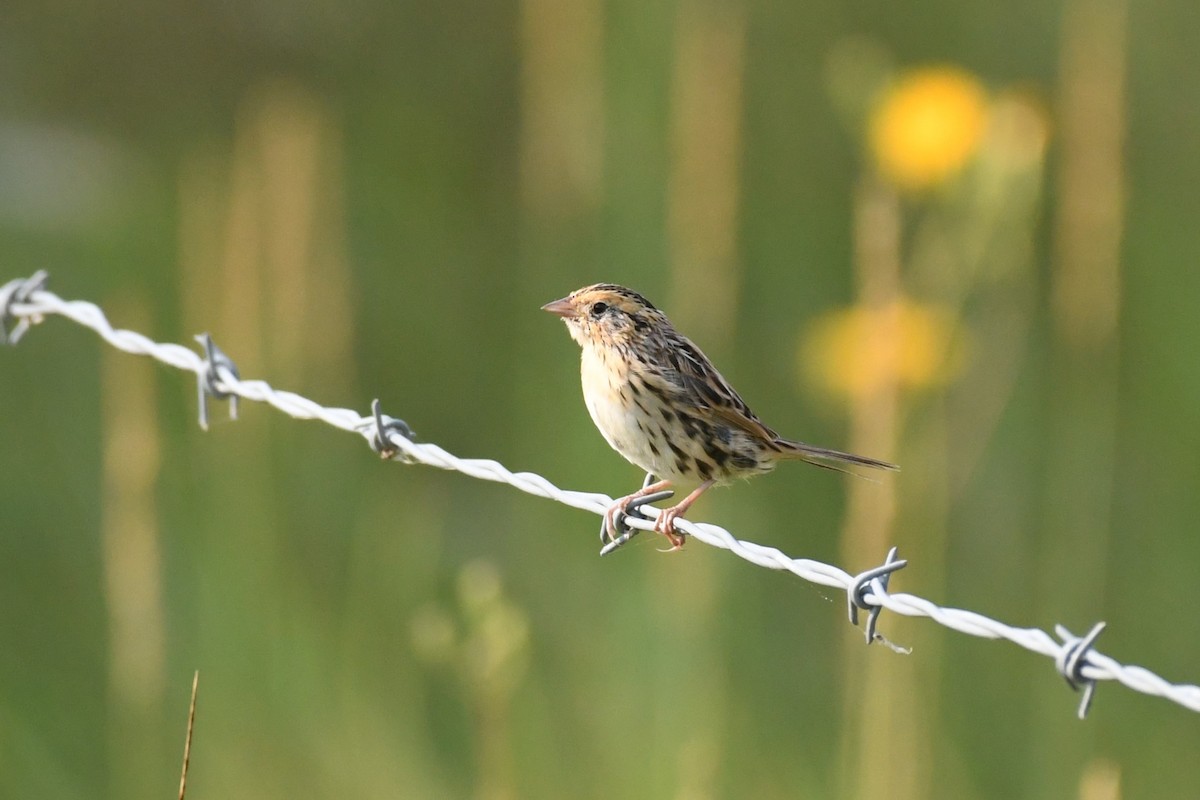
<point>826,458</point>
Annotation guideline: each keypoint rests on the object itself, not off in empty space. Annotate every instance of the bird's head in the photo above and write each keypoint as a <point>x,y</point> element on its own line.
<point>606,314</point>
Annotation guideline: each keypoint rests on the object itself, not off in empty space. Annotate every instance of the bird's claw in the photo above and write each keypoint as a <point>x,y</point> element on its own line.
<point>666,526</point>
<point>613,530</point>
<point>614,523</point>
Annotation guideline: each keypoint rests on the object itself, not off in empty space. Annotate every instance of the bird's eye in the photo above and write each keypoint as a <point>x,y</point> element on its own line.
<point>599,308</point>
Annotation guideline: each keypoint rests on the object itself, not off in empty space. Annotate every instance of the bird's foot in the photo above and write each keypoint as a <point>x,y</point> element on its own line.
<point>666,526</point>
<point>614,516</point>
<point>666,519</point>
<point>611,528</point>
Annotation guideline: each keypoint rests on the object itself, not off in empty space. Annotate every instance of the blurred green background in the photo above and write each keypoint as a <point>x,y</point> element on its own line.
<point>959,236</point>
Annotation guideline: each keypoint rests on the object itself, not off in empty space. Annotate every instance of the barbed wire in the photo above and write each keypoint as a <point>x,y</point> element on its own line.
<point>25,301</point>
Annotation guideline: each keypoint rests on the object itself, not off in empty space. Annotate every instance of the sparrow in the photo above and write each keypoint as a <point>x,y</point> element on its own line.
<point>660,403</point>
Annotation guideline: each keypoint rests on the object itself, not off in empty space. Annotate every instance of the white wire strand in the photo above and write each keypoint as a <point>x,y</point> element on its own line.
<point>28,307</point>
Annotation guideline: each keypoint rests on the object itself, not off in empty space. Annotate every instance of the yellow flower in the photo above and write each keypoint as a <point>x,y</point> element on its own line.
<point>927,126</point>
<point>859,350</point>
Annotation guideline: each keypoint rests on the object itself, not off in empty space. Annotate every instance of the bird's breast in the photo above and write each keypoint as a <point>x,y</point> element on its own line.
<point>605,391</point>
<point>627,421</point>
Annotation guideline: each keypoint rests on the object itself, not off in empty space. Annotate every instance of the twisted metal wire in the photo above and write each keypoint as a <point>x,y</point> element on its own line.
<point>23,303</point>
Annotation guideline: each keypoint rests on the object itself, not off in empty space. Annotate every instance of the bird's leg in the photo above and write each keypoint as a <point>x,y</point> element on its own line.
<point>622,506</point>
<point>666,520</point>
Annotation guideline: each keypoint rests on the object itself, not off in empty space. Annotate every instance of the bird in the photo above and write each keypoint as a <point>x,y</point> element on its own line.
<point>660,403</point>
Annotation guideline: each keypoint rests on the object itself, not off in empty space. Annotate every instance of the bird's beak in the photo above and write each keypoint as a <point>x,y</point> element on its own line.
<point>561,308</point>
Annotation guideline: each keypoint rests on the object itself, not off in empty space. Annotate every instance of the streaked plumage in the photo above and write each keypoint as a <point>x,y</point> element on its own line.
<point>661,404</point>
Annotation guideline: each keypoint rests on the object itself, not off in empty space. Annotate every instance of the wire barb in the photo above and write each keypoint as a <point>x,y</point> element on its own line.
<point>1097,667</point>
<point>210,380</point>
<point>632,509</point>
<point>874,580</point>
<point>381,428</point>
<point>1072,659</point>
<point>19,290</point>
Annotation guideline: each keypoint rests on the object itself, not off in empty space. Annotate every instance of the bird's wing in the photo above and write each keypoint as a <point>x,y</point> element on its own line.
<point>696,382</point>
<point>690,380</point>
